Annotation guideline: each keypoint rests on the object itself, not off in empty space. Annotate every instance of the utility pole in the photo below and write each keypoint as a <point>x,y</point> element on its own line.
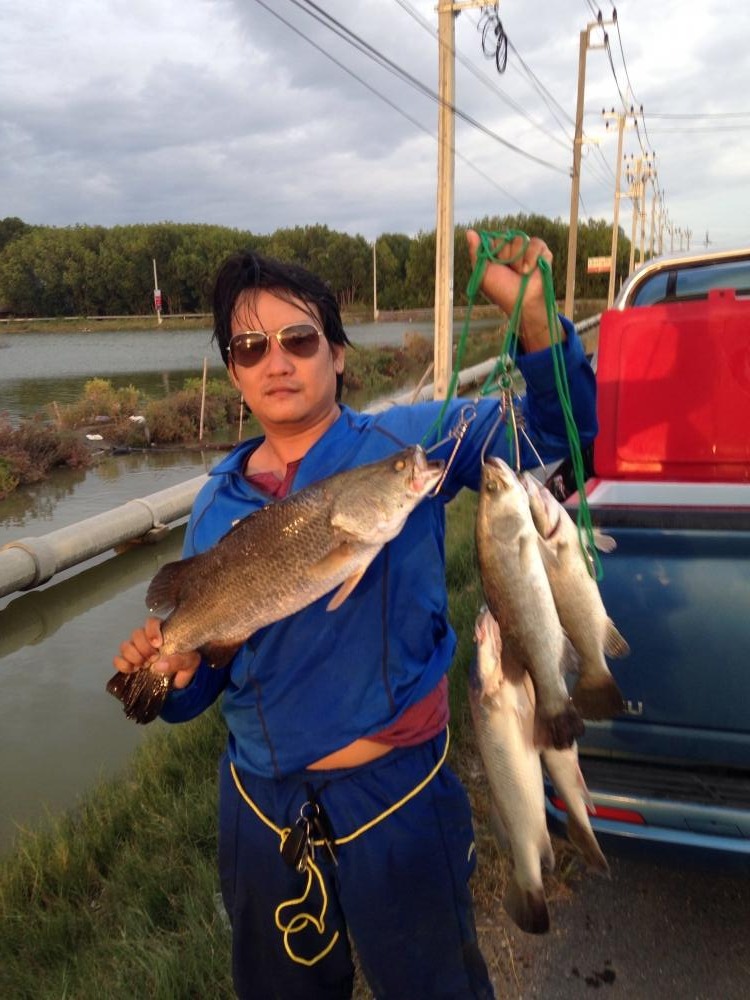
<point>444,230</point>
<point>616,213</point>
<point>157,295</point>
<point>575,187</point>
<point>374,282</point>
<point>633,174</point>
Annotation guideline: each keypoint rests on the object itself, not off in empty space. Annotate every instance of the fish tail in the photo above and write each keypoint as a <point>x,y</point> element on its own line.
<point>527,908</point>
<point>559,731</point>
<point>142,693</point>
<point>597,696</point>
<point>582,837</point>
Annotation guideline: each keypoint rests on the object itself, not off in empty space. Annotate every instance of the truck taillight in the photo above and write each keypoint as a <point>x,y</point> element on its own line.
<point>605,812</point>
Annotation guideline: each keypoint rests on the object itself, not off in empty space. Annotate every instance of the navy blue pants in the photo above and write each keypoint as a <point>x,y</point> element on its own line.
<point>400,890</point>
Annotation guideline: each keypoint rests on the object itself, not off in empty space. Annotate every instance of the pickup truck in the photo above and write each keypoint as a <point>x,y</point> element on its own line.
<point>670,776</point>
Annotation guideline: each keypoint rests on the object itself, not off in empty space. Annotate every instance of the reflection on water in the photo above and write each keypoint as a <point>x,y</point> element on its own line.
<point>60,731</point>
<point>71,495</point>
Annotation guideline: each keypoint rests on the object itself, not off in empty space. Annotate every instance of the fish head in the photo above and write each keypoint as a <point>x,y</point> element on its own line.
<point>546,511</point>
<point>380,496</point>
<point>503,502</point>
<point>486,672</point>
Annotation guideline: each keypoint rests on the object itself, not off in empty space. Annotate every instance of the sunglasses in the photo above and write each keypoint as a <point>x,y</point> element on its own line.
<point>298,339</point>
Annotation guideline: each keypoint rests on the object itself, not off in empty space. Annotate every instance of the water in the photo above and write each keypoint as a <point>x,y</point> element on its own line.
<point>59,729</point>
<point>39,368</point>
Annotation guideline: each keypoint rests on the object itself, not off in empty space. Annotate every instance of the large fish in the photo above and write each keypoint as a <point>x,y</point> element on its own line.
<point>274,562</point>
<point>503,717</point>
<point>579,604</point>
<point>518,594</point>
<point>501,697</point>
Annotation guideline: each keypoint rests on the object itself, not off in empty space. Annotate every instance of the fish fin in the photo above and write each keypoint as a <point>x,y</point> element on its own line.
<point>614,644</point>
<point>527,908</point>
<point>547,853</point>
<point>142,693</point>
<point>605,543</point>
<point>583,839</point>
<point>528,549</point>
<point>217,654</point>
<point>598,696</point>
<point>345,589</point>
<point>164,590</point>
<point>559,731</point>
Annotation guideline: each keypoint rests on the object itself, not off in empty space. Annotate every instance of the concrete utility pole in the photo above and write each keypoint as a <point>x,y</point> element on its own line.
<point>374,282</point>
<point>444,230</point>
<point>616,213</point>
<point>575,187</point>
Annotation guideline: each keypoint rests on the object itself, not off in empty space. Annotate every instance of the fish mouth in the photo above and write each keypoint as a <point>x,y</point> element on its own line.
<point>425,474</point>
<point>501,472</point>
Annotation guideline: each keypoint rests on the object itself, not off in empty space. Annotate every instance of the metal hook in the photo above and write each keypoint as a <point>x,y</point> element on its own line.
<point>466,415</point>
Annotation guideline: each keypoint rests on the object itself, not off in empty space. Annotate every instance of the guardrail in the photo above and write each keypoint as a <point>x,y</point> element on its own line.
<point>30,562</point>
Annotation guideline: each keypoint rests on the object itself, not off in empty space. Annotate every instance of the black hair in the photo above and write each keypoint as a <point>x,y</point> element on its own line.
<point>247,271</point>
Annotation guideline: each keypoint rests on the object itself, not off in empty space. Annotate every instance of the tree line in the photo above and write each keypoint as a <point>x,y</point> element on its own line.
<point>99,271</point>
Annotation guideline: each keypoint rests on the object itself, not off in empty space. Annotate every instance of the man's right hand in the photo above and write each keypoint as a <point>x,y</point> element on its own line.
<point>142,649</point>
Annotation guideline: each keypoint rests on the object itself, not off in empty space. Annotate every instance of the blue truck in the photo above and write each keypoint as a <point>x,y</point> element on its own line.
<point>670,776</point>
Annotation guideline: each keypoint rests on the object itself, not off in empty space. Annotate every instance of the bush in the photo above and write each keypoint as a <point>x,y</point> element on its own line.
<point>29,451</point>
<point>100,399</point>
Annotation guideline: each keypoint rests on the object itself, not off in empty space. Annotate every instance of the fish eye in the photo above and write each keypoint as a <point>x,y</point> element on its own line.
<point>399,465</point>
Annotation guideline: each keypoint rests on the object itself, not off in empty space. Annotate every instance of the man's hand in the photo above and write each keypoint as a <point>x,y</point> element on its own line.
<point>502,282</point>
<point>142,649</point>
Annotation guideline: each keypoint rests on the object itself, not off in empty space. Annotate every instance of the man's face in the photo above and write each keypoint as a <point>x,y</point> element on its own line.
<point>285,391</point>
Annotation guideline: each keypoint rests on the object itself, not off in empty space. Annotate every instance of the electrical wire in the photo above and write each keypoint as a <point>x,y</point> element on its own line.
<point>490,84</point>
<point>392,104</point>
<point>328,21</point>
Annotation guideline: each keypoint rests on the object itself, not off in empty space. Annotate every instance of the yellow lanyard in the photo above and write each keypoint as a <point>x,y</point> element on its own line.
<point>301,920</point>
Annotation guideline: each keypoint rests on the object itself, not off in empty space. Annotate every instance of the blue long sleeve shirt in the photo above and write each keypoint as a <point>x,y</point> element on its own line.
<point>317,680</point>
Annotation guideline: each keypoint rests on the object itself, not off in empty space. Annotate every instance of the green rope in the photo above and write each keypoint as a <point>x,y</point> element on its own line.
<point>501,376</point>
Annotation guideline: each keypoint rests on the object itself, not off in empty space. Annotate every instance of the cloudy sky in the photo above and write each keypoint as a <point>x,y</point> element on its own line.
<point>121,111</point>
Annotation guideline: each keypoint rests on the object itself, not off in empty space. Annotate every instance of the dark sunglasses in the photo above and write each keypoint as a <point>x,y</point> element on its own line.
<point>299,339</point>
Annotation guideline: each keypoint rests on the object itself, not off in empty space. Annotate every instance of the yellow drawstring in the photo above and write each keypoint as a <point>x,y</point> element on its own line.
<point>301,920</point>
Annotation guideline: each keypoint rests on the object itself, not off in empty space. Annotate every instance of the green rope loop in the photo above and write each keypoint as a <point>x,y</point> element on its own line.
<point>501,376</point>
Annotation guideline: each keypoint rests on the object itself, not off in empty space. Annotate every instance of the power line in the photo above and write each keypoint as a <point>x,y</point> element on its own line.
<point>390,103</point>
<point>328,21</point>
<point>405,5</point>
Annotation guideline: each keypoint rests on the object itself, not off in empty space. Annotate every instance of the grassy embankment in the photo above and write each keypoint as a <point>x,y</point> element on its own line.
<point>117,899</point>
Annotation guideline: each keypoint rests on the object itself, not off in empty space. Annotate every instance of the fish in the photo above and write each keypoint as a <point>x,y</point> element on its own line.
<point>503,720</point>
<point>274,562</point>
<point>579,603</point>
<point>502,703</point>
<point>518,593</point>
<point>565,774</point>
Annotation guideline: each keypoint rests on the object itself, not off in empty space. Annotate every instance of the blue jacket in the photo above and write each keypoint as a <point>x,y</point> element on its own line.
<point>313,682</point>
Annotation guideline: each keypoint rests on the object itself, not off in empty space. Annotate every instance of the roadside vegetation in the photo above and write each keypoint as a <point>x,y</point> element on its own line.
<point>118,898</point>
<point>96,271</point>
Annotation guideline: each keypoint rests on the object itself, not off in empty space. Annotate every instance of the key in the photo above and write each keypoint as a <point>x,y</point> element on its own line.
<point>296,848</point>
<point>320,829</point>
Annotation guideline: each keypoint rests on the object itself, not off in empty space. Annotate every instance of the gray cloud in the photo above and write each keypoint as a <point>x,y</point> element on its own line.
<point>214,111</point>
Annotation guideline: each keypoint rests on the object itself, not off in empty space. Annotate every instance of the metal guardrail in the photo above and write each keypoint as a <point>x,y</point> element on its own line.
<point>30,562</point>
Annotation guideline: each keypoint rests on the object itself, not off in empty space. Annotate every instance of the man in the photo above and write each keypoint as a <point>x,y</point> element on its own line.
<point>346,712</point>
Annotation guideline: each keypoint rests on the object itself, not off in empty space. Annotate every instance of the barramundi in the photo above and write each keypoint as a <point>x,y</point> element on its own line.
<point>275,562</point>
